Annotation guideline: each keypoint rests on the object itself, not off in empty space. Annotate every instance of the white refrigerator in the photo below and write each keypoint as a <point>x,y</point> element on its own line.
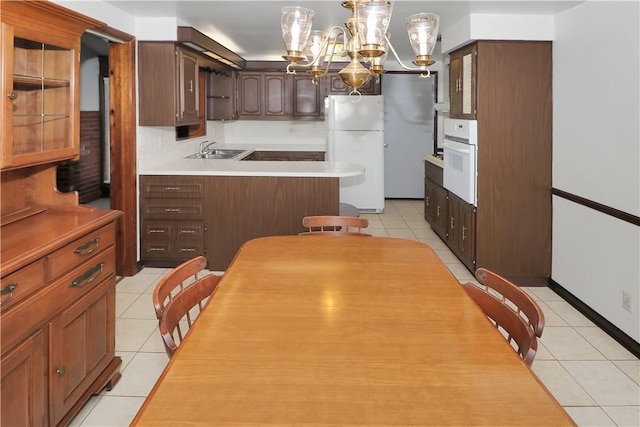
<point>355,134</point>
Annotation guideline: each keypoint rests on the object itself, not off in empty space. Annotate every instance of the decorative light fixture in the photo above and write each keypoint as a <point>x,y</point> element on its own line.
<point>364,38</point>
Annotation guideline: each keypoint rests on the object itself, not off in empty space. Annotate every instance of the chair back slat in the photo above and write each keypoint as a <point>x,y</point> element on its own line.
<point>523,302</point>
<point>338,225</point>
<point>175,282</point>
<point>177,295</point>
<point>518,331</point>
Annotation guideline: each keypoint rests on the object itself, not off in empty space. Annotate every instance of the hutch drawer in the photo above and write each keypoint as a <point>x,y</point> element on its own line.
<point>21,284</point>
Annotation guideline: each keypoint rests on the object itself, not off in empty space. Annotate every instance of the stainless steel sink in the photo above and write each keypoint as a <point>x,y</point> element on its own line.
<point>218,153</point>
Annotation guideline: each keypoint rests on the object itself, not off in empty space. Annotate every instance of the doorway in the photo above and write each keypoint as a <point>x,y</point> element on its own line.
<point>120,125</point>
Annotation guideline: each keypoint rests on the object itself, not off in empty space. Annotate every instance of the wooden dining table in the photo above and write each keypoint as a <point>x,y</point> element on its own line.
<point>345,330</point>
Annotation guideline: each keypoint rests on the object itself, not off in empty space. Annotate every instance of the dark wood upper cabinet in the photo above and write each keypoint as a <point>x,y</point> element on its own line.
<point>221,96</point>
<point>274,95</point>
<point>169,87</point>
<point>462,83</point>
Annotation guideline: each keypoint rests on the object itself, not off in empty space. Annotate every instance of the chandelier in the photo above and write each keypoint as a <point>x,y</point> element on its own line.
<point>364,39</point>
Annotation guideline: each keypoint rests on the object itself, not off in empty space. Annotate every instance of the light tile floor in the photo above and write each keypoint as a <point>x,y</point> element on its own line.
<point>590,374</point>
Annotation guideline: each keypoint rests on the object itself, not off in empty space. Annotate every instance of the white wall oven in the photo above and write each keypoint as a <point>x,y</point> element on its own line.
<point>460,149</point>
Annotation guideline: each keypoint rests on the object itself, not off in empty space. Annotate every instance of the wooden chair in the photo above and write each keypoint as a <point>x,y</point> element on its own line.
<point>335,225</point>
<point>178,299</point>
<point>521,302</point>
<point>519,332</point>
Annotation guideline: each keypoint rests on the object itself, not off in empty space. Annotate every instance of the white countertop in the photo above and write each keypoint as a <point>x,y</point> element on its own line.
<point>229,167</point>
<point>435,160</point>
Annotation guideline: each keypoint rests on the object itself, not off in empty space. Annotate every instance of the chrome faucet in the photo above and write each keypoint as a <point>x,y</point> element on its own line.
<point>204,146</point>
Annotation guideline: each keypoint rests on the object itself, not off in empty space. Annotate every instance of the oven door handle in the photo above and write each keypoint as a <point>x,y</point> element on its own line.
<point>450,147</point>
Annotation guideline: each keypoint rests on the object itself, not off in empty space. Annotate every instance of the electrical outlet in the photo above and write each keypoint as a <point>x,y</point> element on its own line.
<point>626,301</point>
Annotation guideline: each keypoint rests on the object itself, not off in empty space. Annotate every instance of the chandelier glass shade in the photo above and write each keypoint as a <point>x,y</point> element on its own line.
<point>364,39</point>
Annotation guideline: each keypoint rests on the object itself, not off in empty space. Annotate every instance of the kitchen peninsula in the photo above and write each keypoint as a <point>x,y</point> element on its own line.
<point>211,207</point>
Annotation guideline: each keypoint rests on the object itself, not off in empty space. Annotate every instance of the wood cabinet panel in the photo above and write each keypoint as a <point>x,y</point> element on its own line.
<point>28,316</point>
<point>172,213</point>
<point>277,96</point>
<point>82,342</point>
<point>307,101</point>
<point>41,67</point>
<point>243,208</point>
<point>250,95</point>
<point>23,401</point>
<point>169,90</point>
<point>188,88</point>
<point>463,83</point>
<point>513,219</point>
<point>221,96</point>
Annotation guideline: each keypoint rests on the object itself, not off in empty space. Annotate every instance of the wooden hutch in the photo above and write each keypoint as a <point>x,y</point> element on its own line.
<point>57,266</point>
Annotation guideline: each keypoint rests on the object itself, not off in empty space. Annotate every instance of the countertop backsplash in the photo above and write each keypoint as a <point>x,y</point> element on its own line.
<point>158,144</point>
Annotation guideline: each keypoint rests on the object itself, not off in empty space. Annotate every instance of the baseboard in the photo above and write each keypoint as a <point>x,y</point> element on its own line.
<point>613,331</point>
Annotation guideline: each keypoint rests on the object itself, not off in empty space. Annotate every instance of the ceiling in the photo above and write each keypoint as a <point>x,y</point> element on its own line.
<point>252,28</point>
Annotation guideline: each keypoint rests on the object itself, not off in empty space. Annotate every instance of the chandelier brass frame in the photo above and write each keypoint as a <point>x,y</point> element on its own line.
<point>364,38</point>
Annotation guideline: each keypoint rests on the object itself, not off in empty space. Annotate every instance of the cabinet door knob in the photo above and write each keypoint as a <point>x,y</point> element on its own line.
<point>12,95</point>
<point>61,371</point>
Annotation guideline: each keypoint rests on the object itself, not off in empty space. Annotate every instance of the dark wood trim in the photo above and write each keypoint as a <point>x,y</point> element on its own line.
<point>122,79</point>
<point>624,216</point>
<point>613,331</point>
<point>193,36</point>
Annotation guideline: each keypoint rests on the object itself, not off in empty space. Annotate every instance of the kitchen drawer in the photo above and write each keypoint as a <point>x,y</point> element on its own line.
<point>22,283</point>
<point>173,209</point>
<point>24,318</point>
<point>69,256</point>
<point>171,187</point>
<point>174,229</point>
<point>166,249</point>
<point>433,172</point>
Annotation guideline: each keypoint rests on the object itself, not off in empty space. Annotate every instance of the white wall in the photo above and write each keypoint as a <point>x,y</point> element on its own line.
<point>477,26</point>
<point>89,82</point>
<point>596,155</point>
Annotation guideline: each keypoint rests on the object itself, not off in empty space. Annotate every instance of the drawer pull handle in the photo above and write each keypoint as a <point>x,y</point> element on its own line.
<point>8,290</point>
<point>172,188</point>
<point>88,247</point>
<point>89,276</point>
<point>61,371</point>
<point>156,249</point>
<point>172,210</point>
<point>187,231</point>
<point>154,231</point>
<point>187,250</point>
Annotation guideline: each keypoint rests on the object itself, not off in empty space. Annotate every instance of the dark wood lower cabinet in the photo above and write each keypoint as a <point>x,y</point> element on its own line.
<point>237,209</point>
<point>450,217</point>
<point>462,230</point>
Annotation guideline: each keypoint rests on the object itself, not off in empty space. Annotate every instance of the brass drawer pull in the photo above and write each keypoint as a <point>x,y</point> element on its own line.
<point>88,247</point>
<point>88,277</point>
<point>8,290</point>
<point>12,96</point>
<point>61,371</point>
